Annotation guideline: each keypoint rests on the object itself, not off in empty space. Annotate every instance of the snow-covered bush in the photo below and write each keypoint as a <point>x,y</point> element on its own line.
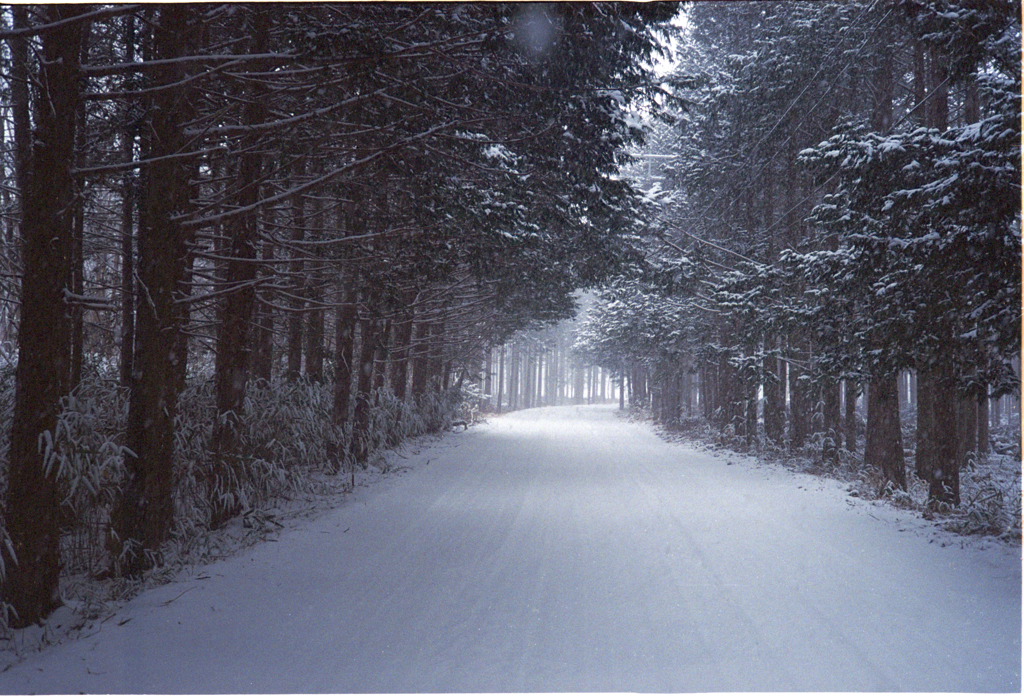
<point>435,410</point>
<point>1005,439</point>
<point>289,444</point>
<point>284,431</point>
<point>87,451</point>
<point>990,498</point>
<point>391,419</point>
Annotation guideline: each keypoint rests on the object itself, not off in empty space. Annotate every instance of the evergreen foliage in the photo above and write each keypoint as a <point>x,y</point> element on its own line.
<point>819,235</point>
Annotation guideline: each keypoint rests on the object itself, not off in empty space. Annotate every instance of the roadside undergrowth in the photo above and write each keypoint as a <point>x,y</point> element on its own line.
<point>990,484</point>
<point>288,471</point>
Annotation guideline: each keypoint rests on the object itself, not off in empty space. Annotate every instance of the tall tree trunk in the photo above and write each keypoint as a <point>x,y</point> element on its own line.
<point>263,353</point>
<point>436,371</point>
<point>234,339</point>
<point>997,411</point>
<point>142,517</point>
<point>774,394</point>
<point>924,446</point>
<point>344,343</point>
<point>315,313</point>
<point>127,344</point>
<point>968,426</point>
<point>799,404</point>
<point>296,299</point>
<point>315,332</point>
<point>884,446</point>
<point>32,505</point>
<point>938,101</point>
<point>78,254</point>
<point>129,196</point>
<point>381,357</point>
<point>368,344</point>
<point>622,387</point>
<point>942,467</point>
<point>421,358</point>
<point>403,351</point>
<point>831,420</point>
<point>850,417</point>
<point>513,377</point>
<point>501,379</point>
<point>78,289</point>
<point>983,435</point>
<point>488,377</point>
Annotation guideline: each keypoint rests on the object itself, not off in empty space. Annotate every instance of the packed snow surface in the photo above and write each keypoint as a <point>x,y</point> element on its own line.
<point>567,549</point>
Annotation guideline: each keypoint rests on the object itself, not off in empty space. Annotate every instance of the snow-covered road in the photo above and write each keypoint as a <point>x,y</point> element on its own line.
<point>569,550</point>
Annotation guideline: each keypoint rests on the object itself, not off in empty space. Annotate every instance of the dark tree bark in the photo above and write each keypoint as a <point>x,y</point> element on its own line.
<point>924,446</point>
<point>315,333</point>
<point>941,469</point>
<point>622,388</point>
<point>529,369</point>
<point>344,343</point>
<point>436,371</point>
<point>403,351</point>
<point>315,313</point>
<point>800,404</point>
<point>850,417</point>
<point>32,506</point>
<point>968,428</point>
<point>78,248</point>
<point>488,377</point>
<point>263,354</point>
<point>368,340</point>
<point>831,420</point>
<point>501,380</point>
<point>381,355</point>
<point>513,377</point>
<point>78,283</point>
<point>129,195</point>
<point>577,396</point>
<point>142,517</point>
<point>420,358</point>
<point>297,300</point>
<point>983,435</point>
<point>884,446</point>
<point>750,426</point>
<point>234,338</point>
<point>774,396</point>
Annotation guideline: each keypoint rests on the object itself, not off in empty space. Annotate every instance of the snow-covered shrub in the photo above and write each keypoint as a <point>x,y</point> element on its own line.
<point>289,422</point>
<point>288,443</point>
<point>86,450</point>
<point>86,453</point>
<point>435,410</point>
<point>283,432</point>
<point>193,431</point>
<point>1005,439</point>
<point>990,498</point>
<point>391,420</point>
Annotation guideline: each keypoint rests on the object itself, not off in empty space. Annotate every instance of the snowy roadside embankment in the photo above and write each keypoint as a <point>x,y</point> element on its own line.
<point>568,550</point>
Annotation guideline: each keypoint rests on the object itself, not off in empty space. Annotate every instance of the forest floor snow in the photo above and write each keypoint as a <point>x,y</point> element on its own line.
<point>566,549</point>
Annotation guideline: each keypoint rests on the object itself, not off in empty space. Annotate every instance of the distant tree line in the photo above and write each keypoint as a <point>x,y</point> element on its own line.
<point>222,200</point>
